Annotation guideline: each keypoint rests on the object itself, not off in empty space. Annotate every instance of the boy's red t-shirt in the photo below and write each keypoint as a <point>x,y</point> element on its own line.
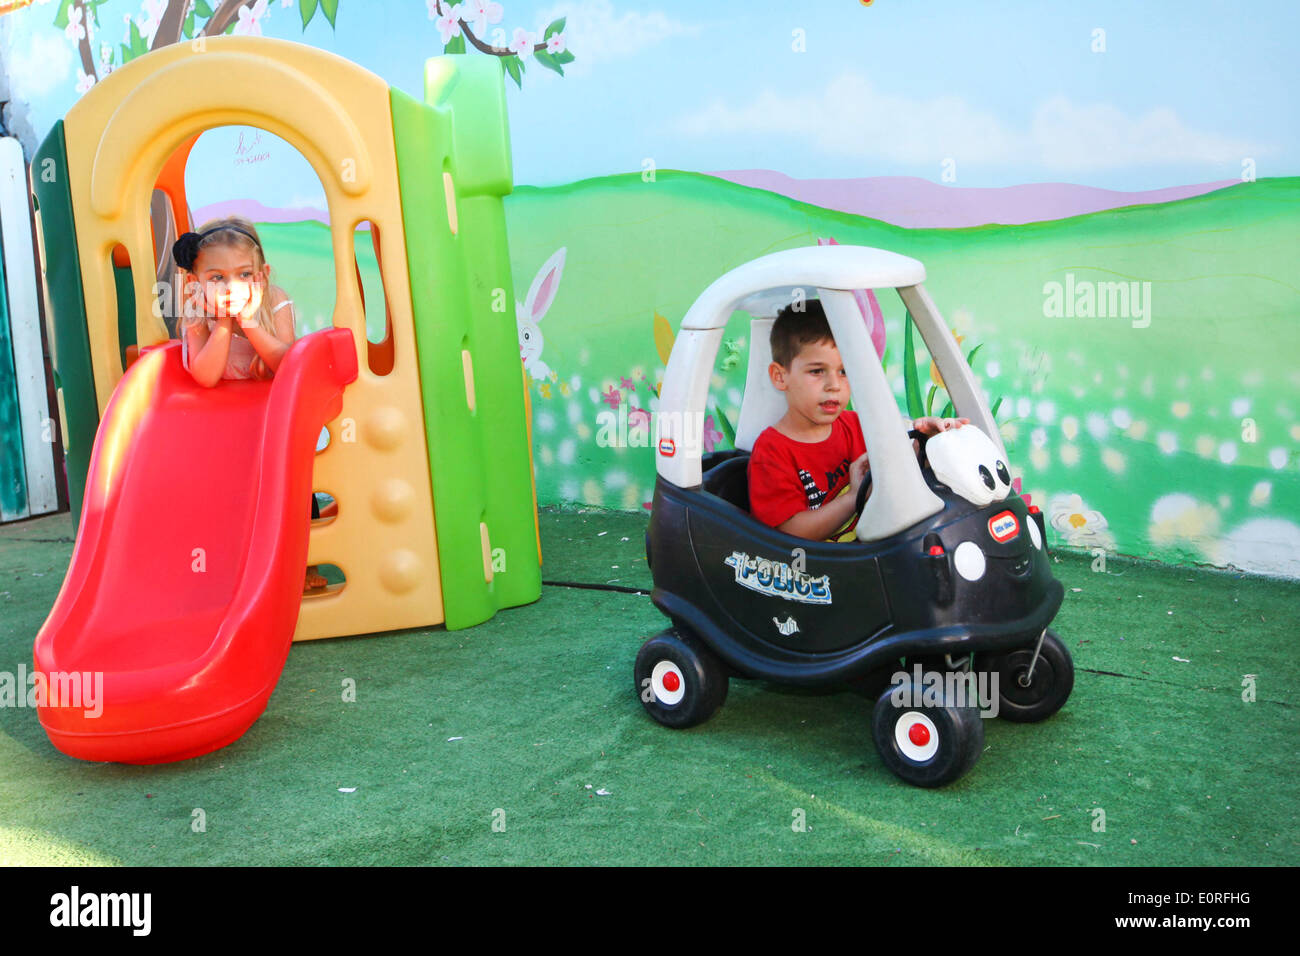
<point>788,476</point>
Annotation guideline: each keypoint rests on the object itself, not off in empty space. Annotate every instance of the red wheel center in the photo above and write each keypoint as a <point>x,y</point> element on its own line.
<point>672,682</point>
<point>919,734</point>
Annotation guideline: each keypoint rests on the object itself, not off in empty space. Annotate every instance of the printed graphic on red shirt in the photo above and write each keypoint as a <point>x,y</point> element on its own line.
<point>787,477</point>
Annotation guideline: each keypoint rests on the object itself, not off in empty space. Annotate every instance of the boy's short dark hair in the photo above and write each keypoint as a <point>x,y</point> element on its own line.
<point>795,328</point>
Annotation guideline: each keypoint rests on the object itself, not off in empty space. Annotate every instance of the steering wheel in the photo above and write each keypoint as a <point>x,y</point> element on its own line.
<point>865,488</point>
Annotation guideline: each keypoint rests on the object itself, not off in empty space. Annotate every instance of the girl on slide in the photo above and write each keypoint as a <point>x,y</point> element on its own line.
<point>234,323</point>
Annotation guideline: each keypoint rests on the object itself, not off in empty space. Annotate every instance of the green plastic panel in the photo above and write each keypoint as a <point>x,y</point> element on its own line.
<point>67,320</point>
<point>463,300</point>
<point>125,290</point>
<point>13,475</point>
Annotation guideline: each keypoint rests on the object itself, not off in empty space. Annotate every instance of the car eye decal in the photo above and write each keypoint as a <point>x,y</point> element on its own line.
<point>1003,474</point>
<point>988,478</point>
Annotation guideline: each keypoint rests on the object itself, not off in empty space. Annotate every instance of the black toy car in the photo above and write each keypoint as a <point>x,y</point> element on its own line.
<point>950,569</point>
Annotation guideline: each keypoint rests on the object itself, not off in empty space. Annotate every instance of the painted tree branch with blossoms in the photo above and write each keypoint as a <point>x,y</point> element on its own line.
<point>160,23</point>
<point>164,22</point>
<point>463,25</point>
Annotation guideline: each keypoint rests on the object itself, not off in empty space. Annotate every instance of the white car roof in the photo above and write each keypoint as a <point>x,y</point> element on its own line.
<point>760,282</point>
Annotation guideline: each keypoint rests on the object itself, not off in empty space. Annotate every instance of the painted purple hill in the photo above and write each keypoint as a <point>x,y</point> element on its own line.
<point>920,204</point>
<point>254,211</point>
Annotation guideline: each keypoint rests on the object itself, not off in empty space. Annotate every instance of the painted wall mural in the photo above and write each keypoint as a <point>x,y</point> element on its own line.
<point>1116,256</point>
<point>1105,341</point>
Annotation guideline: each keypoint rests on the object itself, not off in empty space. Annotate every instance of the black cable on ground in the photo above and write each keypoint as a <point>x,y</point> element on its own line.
<point>596,587</point>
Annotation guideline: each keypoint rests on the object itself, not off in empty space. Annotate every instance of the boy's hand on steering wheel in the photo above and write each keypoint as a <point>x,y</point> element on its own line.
<point>858,471</point>
<point>933,425</point>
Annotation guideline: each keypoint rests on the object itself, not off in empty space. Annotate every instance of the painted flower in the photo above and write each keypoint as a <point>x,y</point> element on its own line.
<point>522,44</point>
<point>545,389</point>
<point>612,397</point>
<point>711,435</point>
<point>448,22</point>
<point>1180,520</point>
<point>555,43</point>
<point>934,369</point>
<point>627,383</point>
<point>1080,527</point>
<point>75,30</point>
<point>153,14</point>
<point>869,307</point>
<point>249,18</point>
<point>1015,486</point>
<point>84,82</point>
<point>479,13</point>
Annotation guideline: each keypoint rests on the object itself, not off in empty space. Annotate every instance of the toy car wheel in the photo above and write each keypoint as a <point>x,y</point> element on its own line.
<point>680,682</point>
<point>926,744</point>
<point>1023,698</point>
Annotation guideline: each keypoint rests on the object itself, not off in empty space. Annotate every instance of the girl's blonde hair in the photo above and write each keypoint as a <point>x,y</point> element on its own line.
<point>226,232</point>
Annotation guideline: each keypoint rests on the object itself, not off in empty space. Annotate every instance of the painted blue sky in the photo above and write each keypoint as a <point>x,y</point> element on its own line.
<point>1009,92</point>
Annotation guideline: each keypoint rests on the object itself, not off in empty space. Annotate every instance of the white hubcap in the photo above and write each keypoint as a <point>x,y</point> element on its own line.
<point>916,735</point>
<point>666,676</point>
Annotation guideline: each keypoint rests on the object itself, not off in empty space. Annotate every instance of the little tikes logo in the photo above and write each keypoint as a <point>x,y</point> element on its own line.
<point>1004,526</point>
<point>778,579</point>
<point>667,447</point>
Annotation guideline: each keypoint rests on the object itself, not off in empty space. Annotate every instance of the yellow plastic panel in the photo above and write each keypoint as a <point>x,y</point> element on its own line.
<point>338,117</point>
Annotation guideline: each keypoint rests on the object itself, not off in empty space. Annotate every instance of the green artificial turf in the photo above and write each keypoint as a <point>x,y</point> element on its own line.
<point>530,721</point>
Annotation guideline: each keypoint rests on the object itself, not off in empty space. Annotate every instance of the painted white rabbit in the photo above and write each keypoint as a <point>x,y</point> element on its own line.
<point>527,316</point>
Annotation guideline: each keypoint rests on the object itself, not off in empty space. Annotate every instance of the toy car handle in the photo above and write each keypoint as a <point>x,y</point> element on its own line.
<point>865,488</point>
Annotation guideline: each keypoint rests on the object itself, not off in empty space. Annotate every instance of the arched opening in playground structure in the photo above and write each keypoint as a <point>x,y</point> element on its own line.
<point>251,172</point>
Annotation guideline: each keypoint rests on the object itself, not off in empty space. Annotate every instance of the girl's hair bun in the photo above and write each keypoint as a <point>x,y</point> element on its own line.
<point>186,249</point>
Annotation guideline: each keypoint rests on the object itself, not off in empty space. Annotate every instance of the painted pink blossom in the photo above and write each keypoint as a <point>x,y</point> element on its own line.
<point>555,43</point>
<point>711,435</point>
<point>153,14</point>
<point>75,30</point>
<point>479,13</point>
<point>84,81</point>
<point>448,22</point>
<point>249,20</point>
<point>612,397</point>
<point>627,383</point>
<point>522,44</point>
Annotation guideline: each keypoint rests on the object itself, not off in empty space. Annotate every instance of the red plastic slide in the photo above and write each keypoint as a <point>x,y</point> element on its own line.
<point>183,592</point>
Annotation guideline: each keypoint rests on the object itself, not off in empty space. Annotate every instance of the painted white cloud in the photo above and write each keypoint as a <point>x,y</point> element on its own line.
<point>597,33</point>
<point>38,64</point>
<point>852,117</point>
<point>1068,136</point>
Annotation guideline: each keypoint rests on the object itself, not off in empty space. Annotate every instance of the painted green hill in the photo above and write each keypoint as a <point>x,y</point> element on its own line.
<point>1152,419</point>
<point>1176,426</point>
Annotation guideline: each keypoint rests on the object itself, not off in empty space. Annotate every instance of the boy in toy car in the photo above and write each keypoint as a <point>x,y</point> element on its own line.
<point>805,471</point>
